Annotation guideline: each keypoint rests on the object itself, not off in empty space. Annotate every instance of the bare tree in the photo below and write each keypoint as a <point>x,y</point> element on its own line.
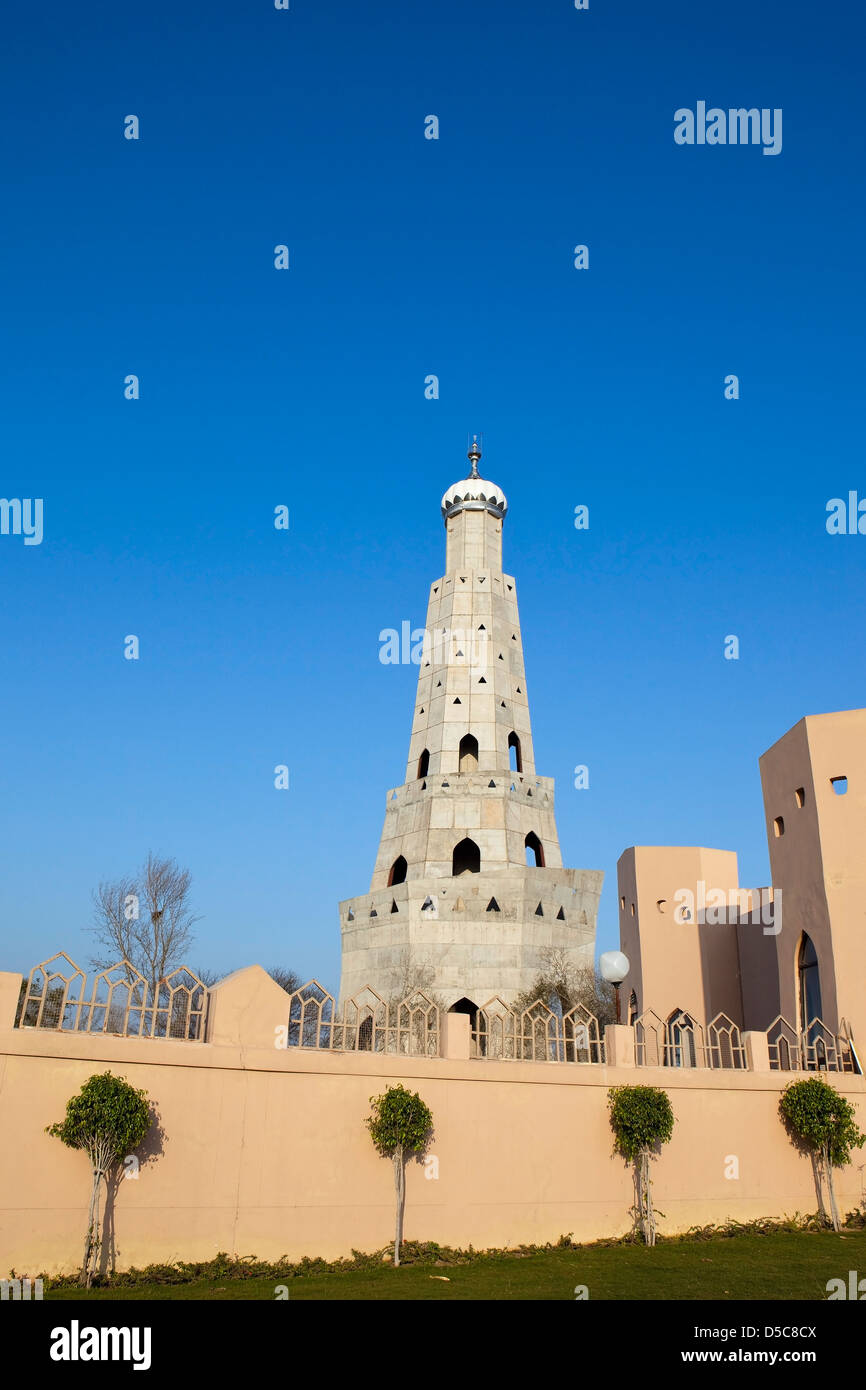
<point>145,920</point>
<point>562,985</point>
<point>210,977</point>
<point>287,979</point>
<point>409,976</point>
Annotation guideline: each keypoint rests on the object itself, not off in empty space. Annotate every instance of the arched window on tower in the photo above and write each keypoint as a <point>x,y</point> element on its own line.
<point>515,759</point>
<point>424,763</point>
<point>466,858</point>
<point>809,981</point>
<point>398,871</point>
<point>632,1009</point>
<point>468,753</point>
<point>534,851</point>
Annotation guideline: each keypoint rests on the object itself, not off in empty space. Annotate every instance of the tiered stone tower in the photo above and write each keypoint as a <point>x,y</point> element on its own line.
<point>469,886</point>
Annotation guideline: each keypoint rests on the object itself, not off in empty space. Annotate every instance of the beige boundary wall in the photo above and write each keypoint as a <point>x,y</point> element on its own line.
<point>265,1152</point>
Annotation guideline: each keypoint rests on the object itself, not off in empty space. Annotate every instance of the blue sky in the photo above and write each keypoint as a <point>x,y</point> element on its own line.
<point>306,387</point>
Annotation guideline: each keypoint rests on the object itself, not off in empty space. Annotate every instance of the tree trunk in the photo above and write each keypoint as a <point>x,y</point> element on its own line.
<point>818,1174</point>
<point>92,1219</point>
<point>400,1184</point>
<point>834,1210</point>
<point>96,1242</point>
<point>643,1187</point>
<point>649,1227</point>
<point>648,1188</point>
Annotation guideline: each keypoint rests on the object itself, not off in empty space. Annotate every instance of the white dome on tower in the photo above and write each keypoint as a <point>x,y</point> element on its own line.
<point>474,493</point>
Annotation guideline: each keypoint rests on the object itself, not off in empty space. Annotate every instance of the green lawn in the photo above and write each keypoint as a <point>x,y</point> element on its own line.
<point>785,1265</point>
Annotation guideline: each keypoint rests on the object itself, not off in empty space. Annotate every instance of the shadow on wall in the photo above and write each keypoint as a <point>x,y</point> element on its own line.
<point>149,1151</point>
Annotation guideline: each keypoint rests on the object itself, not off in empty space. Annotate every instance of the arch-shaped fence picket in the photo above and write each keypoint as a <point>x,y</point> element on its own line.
<point>121,1001</point>
<point>365,1023</point>
<point>536,1034</point>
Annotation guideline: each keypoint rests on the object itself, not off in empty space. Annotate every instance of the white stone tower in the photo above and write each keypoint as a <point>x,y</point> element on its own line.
<point>469,888</point>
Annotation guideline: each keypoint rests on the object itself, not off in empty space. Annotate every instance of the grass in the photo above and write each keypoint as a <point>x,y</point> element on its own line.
<point>779,1265</point>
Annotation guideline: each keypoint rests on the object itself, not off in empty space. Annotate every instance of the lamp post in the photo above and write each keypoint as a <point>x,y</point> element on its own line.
<point>614,967</point>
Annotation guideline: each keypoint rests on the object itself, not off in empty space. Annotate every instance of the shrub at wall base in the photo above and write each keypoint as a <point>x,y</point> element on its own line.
<point>399,1126</point>
<point>822,1123</point>
<point>642,1120</point>
<point>108,1120</point>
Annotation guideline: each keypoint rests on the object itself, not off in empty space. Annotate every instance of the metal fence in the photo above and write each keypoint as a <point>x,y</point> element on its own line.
<point>121,1002</point>
<point>813,1048</point>
<point>536,1034</point>
<point>680,1041</point>
<point>367,1022</point>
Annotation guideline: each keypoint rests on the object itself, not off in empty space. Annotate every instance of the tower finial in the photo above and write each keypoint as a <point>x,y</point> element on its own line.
<point>473,456</point>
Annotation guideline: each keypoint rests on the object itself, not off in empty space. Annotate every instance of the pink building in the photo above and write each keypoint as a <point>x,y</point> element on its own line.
<point>700,945</point>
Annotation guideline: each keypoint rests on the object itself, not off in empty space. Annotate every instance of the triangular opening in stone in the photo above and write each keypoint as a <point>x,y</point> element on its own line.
<point>493,905</point>
<point>539,911</point>
<point>560,916</point>
<point>394,907</point>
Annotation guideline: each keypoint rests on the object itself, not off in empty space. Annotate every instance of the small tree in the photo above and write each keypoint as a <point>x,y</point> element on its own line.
<point>641,1118</point>
<point>399,1126</point>
<point>108,1119</point>
<point>823,1124</point>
